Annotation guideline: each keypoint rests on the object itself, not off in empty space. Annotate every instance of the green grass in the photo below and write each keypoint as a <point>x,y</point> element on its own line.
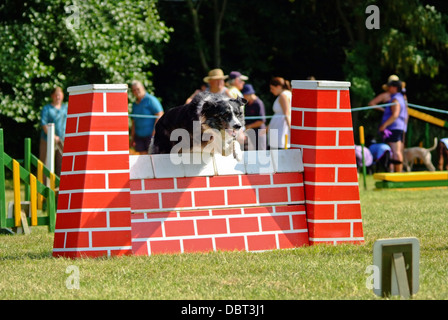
<point>27,270</point>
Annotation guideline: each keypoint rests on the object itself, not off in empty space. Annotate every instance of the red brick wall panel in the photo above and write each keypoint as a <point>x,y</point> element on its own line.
<point>315,138</point>
<point>119,219</point>
<point>159,184</point>
<point>273,195</point>
<point>117,142</point>
<point>261,242</point>
<point>82,103</point>
<point>211,226</point>
<point>71,125</point>
<point>348,175</point>
<point>116,101</point>
<point>111,238</point>
<point>344,99</point>
<point>224,181</point>
<point>332,192</point>
<point>328,156</point>
<point>255,179</point>
<point>77,240</point>
<point>191,182</point>
<point>83,143</point>
<point>244,225</point>
<point>320,211</point>
<point>241,197</point>
<point>329,229</point>
<point>299,222</point>
<point>179,228</point>
<point>83,181</point>
<point>275,223</point>
<point>147,229</point>
<point>292,240</point>
<point>346,138</point>
<point>67,163</point>
<point>97,161</point>
<point>349,210</point>
<point>103,123</point>
<point>297,194</point>
<point>327,119</point>
<point>140,248</point>
<point>209,198</point>
<point>118,180</point>
<point>296,118</point>
<point>144,201</point>
<point>288,178</point>
<point>230,243</point>
<point>164,246</point>
<point>176,200</point>
<point>303,98</point>
<point>99,200</point>
<point>198,245</point>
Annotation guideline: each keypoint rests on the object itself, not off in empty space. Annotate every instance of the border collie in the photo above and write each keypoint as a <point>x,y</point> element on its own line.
<point>209,123</point>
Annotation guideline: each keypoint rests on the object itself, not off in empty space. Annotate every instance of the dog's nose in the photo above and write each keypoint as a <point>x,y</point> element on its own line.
<point>237,126</point>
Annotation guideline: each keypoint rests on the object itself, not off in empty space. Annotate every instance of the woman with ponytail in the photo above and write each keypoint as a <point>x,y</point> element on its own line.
<point>280,126</point>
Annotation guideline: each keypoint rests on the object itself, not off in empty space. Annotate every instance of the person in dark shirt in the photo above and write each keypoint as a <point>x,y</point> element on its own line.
<point>255,127</point>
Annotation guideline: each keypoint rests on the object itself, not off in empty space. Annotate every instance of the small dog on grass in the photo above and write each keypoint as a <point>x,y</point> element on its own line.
<point>209,123</point>
<point>424,154</point>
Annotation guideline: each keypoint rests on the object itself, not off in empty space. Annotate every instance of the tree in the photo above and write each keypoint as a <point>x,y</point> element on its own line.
<point>411,41</point>
<point>219,10</point>
<point>63,42</point>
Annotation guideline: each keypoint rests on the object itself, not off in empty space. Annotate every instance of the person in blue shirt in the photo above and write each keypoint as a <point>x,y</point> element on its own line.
<point>56,113</point>
<point>150,110</point>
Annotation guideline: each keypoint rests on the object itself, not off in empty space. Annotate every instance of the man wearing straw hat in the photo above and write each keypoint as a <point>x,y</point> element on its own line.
<point>215,80</point>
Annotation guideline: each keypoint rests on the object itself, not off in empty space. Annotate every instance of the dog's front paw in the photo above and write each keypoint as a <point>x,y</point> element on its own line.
<point>237,153</point>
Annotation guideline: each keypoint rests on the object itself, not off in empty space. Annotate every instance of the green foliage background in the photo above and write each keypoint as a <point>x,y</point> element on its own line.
<point>114,41</point>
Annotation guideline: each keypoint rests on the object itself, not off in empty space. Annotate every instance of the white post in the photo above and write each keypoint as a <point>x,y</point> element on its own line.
<point>50,147</point>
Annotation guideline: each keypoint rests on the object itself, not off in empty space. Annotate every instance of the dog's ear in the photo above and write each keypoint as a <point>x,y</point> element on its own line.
<point>242,101</point>
<point>206,103</point>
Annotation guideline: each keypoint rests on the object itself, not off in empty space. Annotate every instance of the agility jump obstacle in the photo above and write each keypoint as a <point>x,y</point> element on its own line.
<point>20,214</point>
<point>419,179</point>
<point>111,203</point>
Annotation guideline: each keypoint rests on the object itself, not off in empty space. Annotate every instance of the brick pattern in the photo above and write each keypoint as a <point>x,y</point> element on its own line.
<point>113,204</point>
<point>247,228</point>
<point>322,129</point>
<point>190,193</point>
<point>93,214</point>
<point>250,205</point>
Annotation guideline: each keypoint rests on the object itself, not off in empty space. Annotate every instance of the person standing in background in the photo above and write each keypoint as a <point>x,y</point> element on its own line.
<point>56,113</point>
<point>235,83</point>
<point>142,129</point>
<point>255,128</point>
<point>280,125</point>
<point>394,122</point>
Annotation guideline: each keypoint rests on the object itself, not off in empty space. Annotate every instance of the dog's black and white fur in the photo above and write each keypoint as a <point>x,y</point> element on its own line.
<point>212,122</point>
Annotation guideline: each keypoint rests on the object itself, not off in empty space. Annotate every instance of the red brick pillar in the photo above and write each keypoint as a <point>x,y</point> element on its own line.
<point>93,215</point>
<point>321,125</point>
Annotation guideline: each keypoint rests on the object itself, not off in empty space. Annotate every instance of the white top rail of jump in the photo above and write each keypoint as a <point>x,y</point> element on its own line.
<point>197,164</point>
<point>320,85</point>
<point>88,88</point>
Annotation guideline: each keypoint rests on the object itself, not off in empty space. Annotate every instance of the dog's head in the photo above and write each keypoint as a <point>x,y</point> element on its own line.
<point>222,113</point>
